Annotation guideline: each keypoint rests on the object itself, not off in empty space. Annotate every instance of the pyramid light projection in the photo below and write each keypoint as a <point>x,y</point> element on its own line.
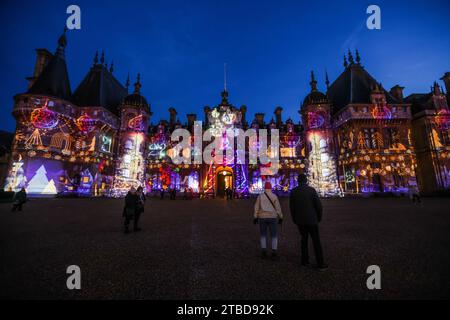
<point>322,174</point>
<point>40,184</point>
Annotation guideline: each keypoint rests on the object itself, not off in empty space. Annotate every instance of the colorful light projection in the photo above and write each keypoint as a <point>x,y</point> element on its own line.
<point>315,120</point>
<point>157,150</point>
<point>194,181</point>
<point>442,119</point>
<point>61,139</point>
<point>190,181</point>
<point>86,182</point>
<point>105,143</point>
<point>285,182</point>
<point>40,184</point>
<point>208,183</point>
<point>165,175</point>
<point>137,123</point>
<point>16,176</point>
<point>349,176</point>
<point>288,152</point>
<point>85,123</point>
<point>44,118</point>
<point>241,179</point>
<point>381,112</point>
<point>130,171</point>
<point>34,140</point>
<point>175,180</point>
<point>222,118</point>
<point>322,168</point>
<point>256,187</point>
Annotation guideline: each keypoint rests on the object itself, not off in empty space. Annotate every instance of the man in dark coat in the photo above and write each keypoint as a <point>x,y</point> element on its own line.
<point>19,199</point>
<point>306,211</point>
<point>129,211</point>
<point>139,207</point>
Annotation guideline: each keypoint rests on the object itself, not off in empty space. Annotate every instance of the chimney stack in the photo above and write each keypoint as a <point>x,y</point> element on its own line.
<point>397,92</point>
<point>260,119</point>
<point>446,79</point>
<point>172,116</point>
<point>206,111</point>
<point>43,56</point>
<point>191,117</point>
<point>278,119</point>
<point>243,110</point>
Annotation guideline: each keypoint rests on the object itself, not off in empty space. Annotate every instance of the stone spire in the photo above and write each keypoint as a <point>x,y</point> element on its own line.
<point>96,57</point>
<point>313,82</point>
<point>350,57</point>
<point>127,83</point>
<point>62,44</point>
<point>358,58</point>
<point>137,84</point>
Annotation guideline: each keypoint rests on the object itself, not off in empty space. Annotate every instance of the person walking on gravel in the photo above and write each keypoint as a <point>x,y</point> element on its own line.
<point>267,213</point>
<point>19,199</point>
<point>139,207</point>
<point>306,211</point>
<point>129,211</point>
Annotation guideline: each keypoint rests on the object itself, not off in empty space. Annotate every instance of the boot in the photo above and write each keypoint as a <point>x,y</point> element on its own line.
<point>263,254</point>
<point>274,256</point>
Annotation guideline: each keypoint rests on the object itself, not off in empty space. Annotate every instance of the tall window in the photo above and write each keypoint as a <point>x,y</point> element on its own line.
<point>445,136</point>
<point>392,135</point>
<point>370,138</point>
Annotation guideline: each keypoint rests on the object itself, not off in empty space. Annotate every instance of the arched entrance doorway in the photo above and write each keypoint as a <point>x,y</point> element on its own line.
<point>224,180</point>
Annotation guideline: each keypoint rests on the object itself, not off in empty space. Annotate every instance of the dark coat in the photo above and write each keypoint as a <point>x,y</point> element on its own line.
<point>20,197</point>
<point>140,203</point>
<point>305,205</point>
<point>131,202</point>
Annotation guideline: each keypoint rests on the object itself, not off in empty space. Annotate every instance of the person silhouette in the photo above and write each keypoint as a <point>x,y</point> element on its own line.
<point>306,211</point>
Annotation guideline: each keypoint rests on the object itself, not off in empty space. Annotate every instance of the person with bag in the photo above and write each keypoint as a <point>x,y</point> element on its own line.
<point>129,211</point>
<point>306,211</point>
<point>140,205</point>
<point>267,214</point>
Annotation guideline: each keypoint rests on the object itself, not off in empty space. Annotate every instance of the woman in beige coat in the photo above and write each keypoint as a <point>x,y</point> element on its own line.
<point>267,213</point>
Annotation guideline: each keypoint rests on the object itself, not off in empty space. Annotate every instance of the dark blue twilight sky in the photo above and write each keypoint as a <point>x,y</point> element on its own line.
<point>269,46</point>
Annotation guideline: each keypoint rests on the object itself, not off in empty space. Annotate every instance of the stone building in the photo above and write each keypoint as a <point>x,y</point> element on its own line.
<point>99,140</point>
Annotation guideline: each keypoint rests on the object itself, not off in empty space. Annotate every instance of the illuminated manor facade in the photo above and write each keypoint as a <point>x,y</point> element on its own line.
<point>354,138</point>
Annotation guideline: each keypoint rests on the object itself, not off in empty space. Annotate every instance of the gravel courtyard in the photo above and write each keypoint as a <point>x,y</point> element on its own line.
<point>208,249</point>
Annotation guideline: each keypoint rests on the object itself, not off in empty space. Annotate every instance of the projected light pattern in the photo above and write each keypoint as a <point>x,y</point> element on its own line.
<point>322,168</point>
<point>381,112</point>
<point>44,118</point>
<point>130,171</point>
<point>85,123</point>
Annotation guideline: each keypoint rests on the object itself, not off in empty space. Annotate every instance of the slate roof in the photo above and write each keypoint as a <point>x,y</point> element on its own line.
<point>354,85</point>
<point>136,99</point>
<point>100,88</point>
<point>54,79</point>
